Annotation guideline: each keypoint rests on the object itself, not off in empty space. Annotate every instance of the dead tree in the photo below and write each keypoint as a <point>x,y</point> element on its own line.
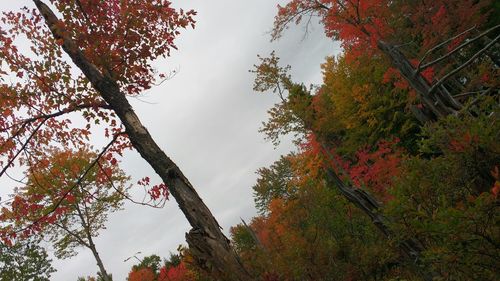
<point>206,240</point>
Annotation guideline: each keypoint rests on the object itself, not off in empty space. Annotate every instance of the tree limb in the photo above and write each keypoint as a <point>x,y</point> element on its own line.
<point>461,46</point>
<point>206,238</point>
<point>476,55</point>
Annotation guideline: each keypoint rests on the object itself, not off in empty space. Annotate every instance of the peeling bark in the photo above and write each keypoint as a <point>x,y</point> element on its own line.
<point>206,239</point>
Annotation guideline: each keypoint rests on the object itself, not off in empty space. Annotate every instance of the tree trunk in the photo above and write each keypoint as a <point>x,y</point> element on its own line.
<point>438,105</point>
<point>367,203</point>
<point>100,264</point>
<point>91,245</point>
<point>205,239</point>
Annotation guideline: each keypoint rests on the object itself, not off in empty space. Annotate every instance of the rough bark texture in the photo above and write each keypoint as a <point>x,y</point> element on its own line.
<point>206,239</point>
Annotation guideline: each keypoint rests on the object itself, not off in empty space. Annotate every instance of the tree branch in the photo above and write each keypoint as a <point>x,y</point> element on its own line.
<point>420,68</point>
<point>439,46</point>
<point>25,144</point>
<point>57,114</point>
<point>71,233</point>
<point>124,195</point>
<point>437,84</point>
<point>67,192</point>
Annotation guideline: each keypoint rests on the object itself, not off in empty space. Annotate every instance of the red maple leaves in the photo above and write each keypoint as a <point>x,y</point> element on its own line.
<point>122,37</point>
<point>372,167</point>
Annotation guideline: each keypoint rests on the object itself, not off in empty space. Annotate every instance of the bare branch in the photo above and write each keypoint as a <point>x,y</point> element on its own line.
<point>437,84</point>
<point>23,147</point>
<point>420,68</point>
<point>74,235</point>
<point>441,45</point>
<point>471,93</point>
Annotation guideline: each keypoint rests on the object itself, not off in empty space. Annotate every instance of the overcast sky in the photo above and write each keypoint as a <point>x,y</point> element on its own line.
<point>207,119</point>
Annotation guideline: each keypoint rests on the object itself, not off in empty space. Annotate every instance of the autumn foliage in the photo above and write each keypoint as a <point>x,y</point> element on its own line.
<point>121,38</point>
<point>395,173</point>
<point>435,184</point>
<point>39,107</point>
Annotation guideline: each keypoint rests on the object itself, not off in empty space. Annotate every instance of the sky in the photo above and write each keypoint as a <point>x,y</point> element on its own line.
<point>206,118</point>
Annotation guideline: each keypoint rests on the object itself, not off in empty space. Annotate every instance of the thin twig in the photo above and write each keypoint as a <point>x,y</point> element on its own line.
<point>470,93</point>
<point>124,194</point>
<point>441,45</point>
<point>22,148</point>
<point>437,84</point>
<point>420,68</point>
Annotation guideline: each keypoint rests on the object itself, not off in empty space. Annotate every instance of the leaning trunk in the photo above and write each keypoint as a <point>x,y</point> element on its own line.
<point>438,102</point>
<point>206,240</point>
<point>367,203</point>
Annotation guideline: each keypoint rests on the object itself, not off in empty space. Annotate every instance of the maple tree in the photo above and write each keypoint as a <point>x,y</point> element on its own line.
<point>175,268</point>
<point>77,219</point>
<point>176,273</point>
<point>142,274</point>
<point>360,131</point>
<point>373,26</point>
<point>112,44</point>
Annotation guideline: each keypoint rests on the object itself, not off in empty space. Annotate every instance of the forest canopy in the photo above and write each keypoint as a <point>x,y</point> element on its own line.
<point>395,174</point>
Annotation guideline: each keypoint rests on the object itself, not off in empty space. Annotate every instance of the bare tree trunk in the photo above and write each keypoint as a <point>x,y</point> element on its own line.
<point>206,240</point>
<point>437,105</point>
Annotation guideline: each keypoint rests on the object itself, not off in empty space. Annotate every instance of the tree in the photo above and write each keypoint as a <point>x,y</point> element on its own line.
<point>310,112</point>
<point>448,198</point>
<point>151,263</point>
<point>178,272</point>
<point>314,234</point>
<point>142,274</point>
<point>360,105</point>
<point>85,208</point>
<point>273,182</point>
<point>438,218</point>
<point>374,26</point>
<point>113,50</point>
<point>175,268</point>
<point>24,261</point>
<point>352,89</point>
<point>146,270</point>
